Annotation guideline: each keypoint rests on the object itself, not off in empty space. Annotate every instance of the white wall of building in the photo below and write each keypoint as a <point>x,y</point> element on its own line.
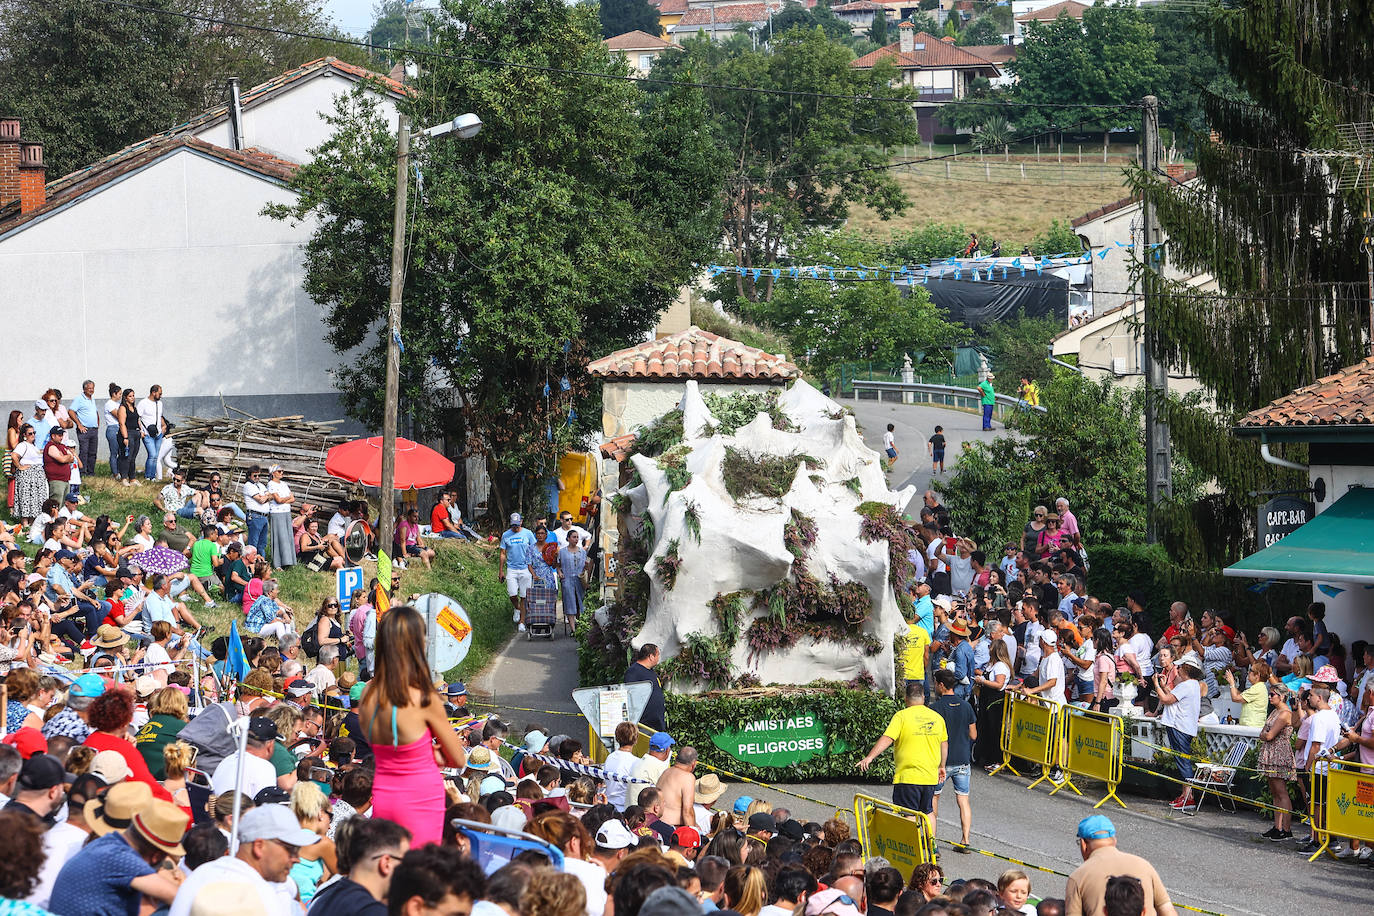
<point>1349,614</point>
<point>291,123</point>
<point>164,276</point>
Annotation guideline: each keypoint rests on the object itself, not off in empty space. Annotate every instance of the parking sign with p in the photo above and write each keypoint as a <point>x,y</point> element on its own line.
<point>347,581</point>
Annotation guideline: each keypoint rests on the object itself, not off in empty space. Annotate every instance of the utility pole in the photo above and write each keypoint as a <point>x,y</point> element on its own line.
<point>387,524</point>
<point>1158,480</point>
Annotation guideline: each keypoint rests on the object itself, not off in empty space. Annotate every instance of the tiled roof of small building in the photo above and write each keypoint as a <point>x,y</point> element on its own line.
<point>693,354</point>
<point>1343,399</point>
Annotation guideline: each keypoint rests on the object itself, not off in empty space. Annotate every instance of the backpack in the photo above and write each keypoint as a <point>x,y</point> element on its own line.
<point>310,639</point>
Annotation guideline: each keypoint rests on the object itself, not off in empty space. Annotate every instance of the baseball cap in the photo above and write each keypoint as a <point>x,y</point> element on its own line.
<point>41,771</point>
<point>1096,827</point>
<point>299,687</point>
<point>491,784</point>
<point>742,804</point>
<point>145,685</point>
<point>27,741</point>
<point>111,767</point>
<point>661,741</point>
<point>515,518</point>
<point>66,555</point>
<point>272,795</point>
<point>262,729</point>
<point>670,900</point>
<point>355,693</point>
<point>762,821</point>
<point>275,822</point>
<point>687,837</point>
<point>615,835</point>
<point>792,830</point>
<point>944,601</point>
<point>1048,638</point>
<point>73,499</point>
<point>831,901</point>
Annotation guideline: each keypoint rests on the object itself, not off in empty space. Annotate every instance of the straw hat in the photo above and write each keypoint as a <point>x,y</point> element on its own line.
<point>479,758</point>
<point>109,637</point>
<point>116,808</point>
<point>709,788</point>
<point>163,824</point>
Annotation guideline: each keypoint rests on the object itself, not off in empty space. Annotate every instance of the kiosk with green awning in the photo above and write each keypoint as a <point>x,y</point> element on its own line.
<point>1335,546</point>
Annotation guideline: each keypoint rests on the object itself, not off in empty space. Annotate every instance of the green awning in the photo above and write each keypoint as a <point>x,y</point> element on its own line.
<point>1335,546</point>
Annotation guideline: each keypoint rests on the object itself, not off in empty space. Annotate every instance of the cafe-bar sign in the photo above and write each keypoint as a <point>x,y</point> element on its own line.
<point>779,742</point>
<point>1280,517</point>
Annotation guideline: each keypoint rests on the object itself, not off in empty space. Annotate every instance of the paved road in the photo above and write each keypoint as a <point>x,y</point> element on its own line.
<point>536,674</point>
<point>914,426</point>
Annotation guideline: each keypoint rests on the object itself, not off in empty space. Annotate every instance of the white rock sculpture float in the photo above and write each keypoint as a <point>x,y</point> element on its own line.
<point>703,542</point>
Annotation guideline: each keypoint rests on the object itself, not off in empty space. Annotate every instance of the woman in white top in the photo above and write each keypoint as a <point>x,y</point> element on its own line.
<point>143,534</point>
<point>1180,707</point>
<point>30,483</point>
<point>111,412</point>
<point>46,516</point>
<point>279,500</point>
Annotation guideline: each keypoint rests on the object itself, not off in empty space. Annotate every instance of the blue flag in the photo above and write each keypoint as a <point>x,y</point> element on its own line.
<point>237,663</point>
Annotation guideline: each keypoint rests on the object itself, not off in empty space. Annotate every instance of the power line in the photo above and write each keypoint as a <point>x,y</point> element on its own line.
<point>539,68</point>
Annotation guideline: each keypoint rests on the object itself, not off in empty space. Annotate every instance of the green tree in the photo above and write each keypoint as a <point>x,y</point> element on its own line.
<point>1110,60</point>
<point>794,15</point>
<point>556,235</point>
<point>1088,446</point>
<point>982,31</point>
<point>924,22</point>
<point>928,243</point>
<point>1279,239</point>
<point>1058,239</point>
<point>1193,66</point>
<point>878,31</point>
<point>1018,348</point>
<point>866,320</point>
<point>621,16</point>
<point>388,30</point>
<point>800,161</point>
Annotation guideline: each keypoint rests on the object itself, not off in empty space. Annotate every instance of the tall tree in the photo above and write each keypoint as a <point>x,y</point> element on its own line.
<point>621,16</point>
<point>1192,63</point>
<point>982,31</point>
<point>878,30</point>
<point>557,235</point>
<point>804,149</point>
<point>1267,223</point>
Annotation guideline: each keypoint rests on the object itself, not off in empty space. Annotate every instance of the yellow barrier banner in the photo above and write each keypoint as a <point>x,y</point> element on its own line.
<point>1093,744</point>
<point>1343,803</point>
<point>1030,734</point>
<point>897,834</point>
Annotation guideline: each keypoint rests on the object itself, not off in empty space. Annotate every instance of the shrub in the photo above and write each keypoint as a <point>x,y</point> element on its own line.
<point>740,408</point>
<point>662,434</point>
<point>799,534</point>
<point>748,473</point>
<point>673,463</point>
<point>882,523</point>
<point>667,566</point>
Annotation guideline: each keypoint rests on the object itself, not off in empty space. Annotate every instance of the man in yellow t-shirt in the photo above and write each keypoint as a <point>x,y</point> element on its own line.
<point>917,651</point>
<point>921,748</point>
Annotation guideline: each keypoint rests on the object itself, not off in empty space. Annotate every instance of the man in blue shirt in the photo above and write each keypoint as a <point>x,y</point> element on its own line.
<point>961,657</point>
<point>62,587</point>
<point>516,545</point>
<point>87,419</point>
<point>925,608</point>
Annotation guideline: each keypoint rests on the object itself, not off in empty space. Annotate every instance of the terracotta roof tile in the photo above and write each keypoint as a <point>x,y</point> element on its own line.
<point>619,447</point>
<point>1051,12</point>
<point>671,6</point>
<point>693,353</point>
<point>1343,399</point>
<point>997,54</point>
<point>935,55</point>
<point>735,12</point>
<point>637,40</point>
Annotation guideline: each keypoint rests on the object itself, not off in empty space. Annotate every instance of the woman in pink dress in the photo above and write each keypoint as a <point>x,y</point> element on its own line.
<point>403,716</point>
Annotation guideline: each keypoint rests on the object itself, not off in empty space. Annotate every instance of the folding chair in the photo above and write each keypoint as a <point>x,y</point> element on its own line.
<point>1219,777</point>
<point>493,847</point>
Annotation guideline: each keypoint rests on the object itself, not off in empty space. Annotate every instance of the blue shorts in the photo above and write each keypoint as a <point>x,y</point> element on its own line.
<point>892,453</point>
<point>959,776</point>
<point>937,456</point>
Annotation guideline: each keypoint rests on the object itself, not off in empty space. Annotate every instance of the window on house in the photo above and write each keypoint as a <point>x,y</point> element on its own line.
<point>646,61</point>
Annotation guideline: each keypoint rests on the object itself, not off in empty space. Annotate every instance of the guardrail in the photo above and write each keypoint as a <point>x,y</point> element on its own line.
<point>954,396</point>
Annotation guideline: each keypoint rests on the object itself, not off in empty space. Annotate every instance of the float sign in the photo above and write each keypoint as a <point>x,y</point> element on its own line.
<point>1280,517</point>
<point>779,742</point>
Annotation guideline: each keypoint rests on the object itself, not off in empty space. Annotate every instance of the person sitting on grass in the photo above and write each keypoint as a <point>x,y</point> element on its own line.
<point>269,617</point>
<point>159,605</point>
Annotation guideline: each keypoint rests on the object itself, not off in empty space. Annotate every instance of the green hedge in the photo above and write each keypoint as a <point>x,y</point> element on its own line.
<point>1119,569</point>
<point>855,717</point>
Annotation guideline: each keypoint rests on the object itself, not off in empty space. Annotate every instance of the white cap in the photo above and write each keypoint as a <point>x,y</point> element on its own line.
<point>275,822</point>
<point>615,835</point>
<point>1048,638</point>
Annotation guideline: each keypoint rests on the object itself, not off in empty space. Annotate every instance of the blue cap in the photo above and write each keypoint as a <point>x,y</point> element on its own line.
<point>661,741</point>
<point>742,804</point>
<point>88,685</point>
<point>457,689</point>
<point>1096,827</point>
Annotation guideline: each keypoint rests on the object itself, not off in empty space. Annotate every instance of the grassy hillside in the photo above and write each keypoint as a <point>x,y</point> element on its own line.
<point>463,571</point>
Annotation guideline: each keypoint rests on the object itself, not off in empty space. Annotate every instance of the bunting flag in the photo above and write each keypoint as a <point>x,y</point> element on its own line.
<point>236,663</point>
<point>1329,591</point>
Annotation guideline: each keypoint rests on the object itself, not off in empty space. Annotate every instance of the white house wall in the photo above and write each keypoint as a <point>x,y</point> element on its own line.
<point>291,123</point>
<point>163,277</point>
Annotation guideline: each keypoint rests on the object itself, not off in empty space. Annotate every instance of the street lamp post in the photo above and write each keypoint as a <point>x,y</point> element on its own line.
<point>466,126</point>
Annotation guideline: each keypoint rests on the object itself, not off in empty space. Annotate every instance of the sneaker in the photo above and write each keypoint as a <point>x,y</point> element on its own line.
<point>515,617</point>
<point>1365,853</point>
<point>1283,835</point>
<point>1341,852</point>
<point>209,603</point>
<point>1273,833</point>
<point>1056,775</point>
<point>1309,845</point>
<point>1183,804</point>
<point>522,628</point>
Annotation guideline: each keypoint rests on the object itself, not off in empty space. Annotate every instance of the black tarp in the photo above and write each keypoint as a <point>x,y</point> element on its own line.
<point>975,304</point>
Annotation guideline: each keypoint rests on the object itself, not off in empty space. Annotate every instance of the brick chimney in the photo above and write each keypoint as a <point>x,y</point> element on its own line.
<point>33,177</point>
<point>907,31</point>
<point>9,160</point>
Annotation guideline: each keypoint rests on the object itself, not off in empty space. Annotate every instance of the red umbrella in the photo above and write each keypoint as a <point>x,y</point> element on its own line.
<point>417,465</point>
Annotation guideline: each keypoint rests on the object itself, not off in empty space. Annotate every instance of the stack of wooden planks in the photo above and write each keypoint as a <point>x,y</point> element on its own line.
<point>231,446</point>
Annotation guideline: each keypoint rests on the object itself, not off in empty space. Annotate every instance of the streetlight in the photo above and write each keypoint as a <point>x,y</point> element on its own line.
<point>465,126</point>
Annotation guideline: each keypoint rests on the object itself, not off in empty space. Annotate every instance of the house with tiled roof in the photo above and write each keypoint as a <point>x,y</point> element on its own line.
<point>166,240</point>
<point>1024,12</point>
<point>669,12</point>
<point>720,20</point>
<point>1324,533</point>
<point>643,382</point>
<point>639,49</point>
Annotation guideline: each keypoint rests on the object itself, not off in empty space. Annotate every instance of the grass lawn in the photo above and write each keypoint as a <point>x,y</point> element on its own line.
<point>464,571</point>
<point>994,199</point>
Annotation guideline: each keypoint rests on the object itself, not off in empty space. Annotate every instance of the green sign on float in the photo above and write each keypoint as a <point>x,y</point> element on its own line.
<point>779,742</point>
